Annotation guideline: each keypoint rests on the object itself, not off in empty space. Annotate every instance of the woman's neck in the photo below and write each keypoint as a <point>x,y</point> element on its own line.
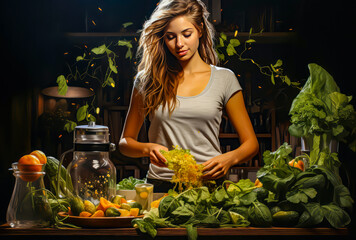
<point>194,64</point>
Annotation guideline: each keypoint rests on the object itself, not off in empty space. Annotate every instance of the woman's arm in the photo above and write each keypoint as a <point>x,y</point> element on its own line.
<point>128,144</point>
<point>219,166</point>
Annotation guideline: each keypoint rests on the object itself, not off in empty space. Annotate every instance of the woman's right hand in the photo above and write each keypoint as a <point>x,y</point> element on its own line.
<point>156,156</point>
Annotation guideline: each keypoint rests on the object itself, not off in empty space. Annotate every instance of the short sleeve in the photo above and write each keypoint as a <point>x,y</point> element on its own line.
<point>232,86</point>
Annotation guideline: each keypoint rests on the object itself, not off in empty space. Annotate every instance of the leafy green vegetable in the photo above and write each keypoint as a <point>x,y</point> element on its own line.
<point>167,205</point>
<point>129,183</point>
<point>320,113</point>
<point>317,194</point>
<point>260,215</point>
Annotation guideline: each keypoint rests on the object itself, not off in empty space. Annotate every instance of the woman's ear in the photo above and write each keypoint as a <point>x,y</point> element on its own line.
<point>200,31</point>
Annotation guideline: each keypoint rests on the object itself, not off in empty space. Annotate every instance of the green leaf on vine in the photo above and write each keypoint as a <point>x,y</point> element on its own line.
<point>80,58</point>
<point>124,43</point>
<point>221,56</point>
<point>112,66</point>
<point>235,42</point>
<point>82,113</point>
<point>223,36</point>
<point>278,63</point>
<point>70,126</point>
<point>62,85</point>
<point>125,25</point>
<point>272,79</point>
<point>230,50</point>
<point>128,53</point>
<point>250,41</point>
<point>99,50</point>
<point>221,42</point>
<point>287,80</point>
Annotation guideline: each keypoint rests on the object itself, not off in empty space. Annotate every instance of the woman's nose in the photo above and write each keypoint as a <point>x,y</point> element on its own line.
<point>179,42</point>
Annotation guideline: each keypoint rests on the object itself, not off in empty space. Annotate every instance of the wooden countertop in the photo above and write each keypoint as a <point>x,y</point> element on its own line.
<point>5,230</point>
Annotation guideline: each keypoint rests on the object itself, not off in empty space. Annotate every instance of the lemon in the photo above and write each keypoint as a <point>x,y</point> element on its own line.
<point>143,195</point>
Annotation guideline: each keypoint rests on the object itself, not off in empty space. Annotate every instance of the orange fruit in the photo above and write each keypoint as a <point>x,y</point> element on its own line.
<point>40,155</point>
<point>29,165</point>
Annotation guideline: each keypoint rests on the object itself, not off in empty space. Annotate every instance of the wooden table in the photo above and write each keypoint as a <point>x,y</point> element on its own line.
<point>175,233</point>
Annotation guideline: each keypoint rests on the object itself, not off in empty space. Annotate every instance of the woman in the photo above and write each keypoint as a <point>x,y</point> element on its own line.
<point>183,92</point>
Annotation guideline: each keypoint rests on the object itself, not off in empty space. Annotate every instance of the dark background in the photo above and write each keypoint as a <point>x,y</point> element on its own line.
<point>33,41</point>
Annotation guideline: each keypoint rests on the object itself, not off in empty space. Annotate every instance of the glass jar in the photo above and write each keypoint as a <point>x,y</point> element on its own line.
<point>29,206</point>
<point>93,174</point>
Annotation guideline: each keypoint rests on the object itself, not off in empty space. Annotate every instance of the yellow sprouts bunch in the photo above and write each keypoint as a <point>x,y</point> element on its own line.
<point>186,170</point>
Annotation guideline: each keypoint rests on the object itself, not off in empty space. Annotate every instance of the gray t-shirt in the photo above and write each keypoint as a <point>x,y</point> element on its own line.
<point>195,122</point>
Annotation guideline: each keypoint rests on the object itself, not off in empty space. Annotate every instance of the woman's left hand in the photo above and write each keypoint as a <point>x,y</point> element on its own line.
<point>217,167</point>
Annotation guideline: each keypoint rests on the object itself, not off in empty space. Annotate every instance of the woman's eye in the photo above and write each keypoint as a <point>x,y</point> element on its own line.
<point>170,37</point>
<point>188,35</point>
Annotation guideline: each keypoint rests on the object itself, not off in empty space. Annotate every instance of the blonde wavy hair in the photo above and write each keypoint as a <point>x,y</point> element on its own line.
<point>158,69</point>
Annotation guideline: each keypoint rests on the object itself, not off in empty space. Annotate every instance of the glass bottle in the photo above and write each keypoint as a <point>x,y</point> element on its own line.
<point>93,174</point>
<point>29,206</point>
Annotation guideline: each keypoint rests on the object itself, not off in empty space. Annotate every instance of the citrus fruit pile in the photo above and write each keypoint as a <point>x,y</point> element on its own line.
<point>118,206</point>
<point>30,165</point>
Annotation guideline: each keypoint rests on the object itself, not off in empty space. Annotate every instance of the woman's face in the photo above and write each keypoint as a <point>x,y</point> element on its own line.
<point>182,38</point>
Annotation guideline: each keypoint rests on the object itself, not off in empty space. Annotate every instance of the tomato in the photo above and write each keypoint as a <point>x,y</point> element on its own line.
<point>40,155</point>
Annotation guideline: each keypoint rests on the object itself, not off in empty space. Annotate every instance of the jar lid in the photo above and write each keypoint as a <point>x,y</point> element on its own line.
<point>91,133</point>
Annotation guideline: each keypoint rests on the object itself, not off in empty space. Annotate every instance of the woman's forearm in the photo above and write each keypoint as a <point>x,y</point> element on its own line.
<point>245,152</point>
<point>132,148</point>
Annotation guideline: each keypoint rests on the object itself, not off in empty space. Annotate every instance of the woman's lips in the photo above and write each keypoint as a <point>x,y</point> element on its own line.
<point>182,53</point>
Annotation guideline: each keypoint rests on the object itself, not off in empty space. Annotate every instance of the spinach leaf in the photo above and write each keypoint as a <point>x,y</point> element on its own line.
<point>278,185</point>
<point>219,197</point>
<point>336,216</point>
<point>317,182</point>
<point>343,197</point>
<point>243,211</point>
<point>301,195</point>
<point>248,198</point>
<point>224,217</point>
<point>145,226</point>
<point>181,215</point>
<point>312,215</point>
<point>238,220</point>
<point>192,232</point>
<point>167,205</point>
<point>260,215</point>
